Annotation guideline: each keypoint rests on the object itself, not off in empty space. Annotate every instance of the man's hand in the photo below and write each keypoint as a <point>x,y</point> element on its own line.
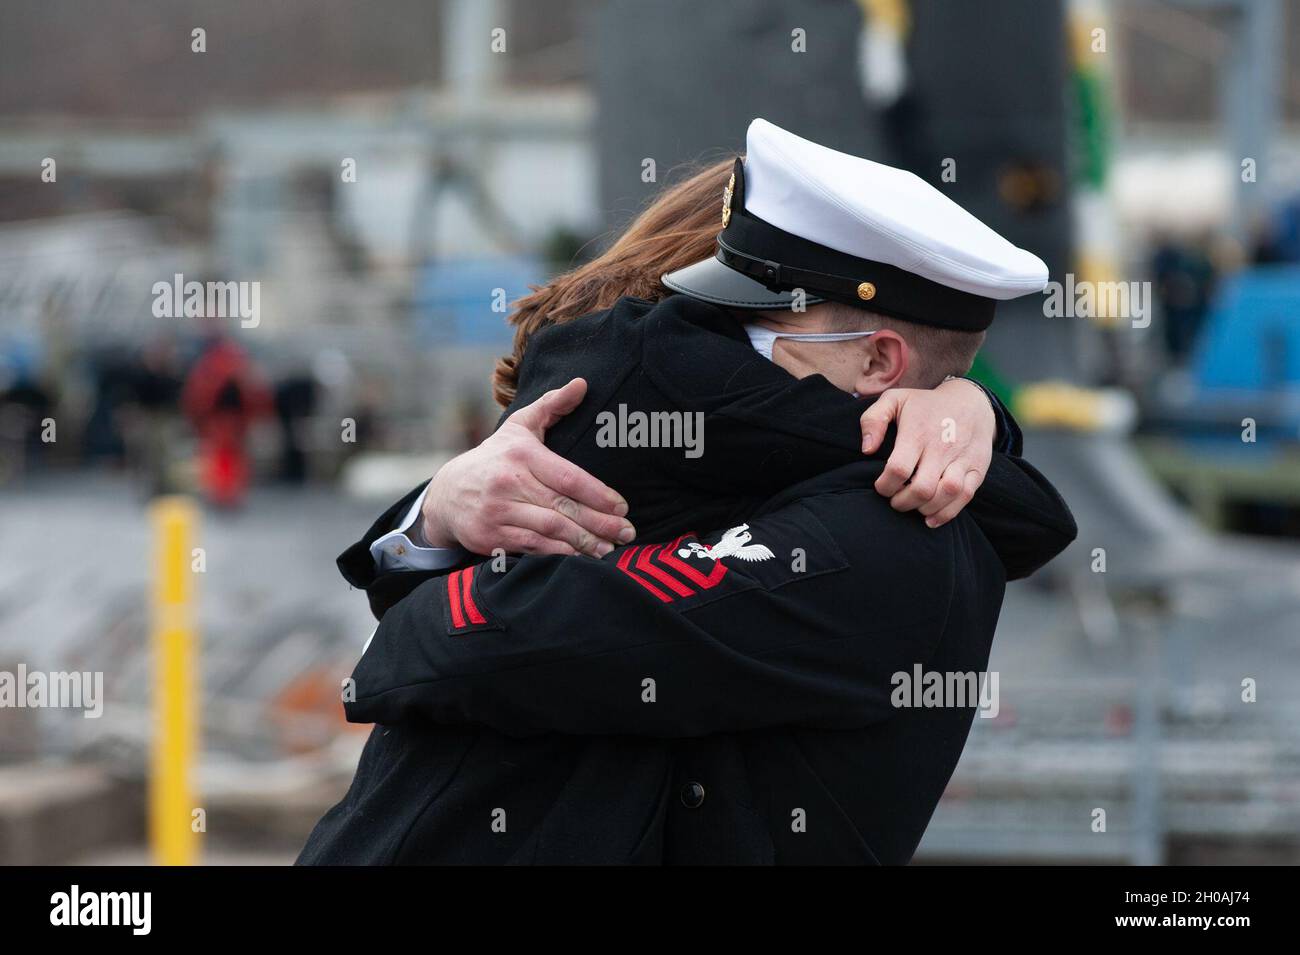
<point>942,451</point>
<point>514,493</point>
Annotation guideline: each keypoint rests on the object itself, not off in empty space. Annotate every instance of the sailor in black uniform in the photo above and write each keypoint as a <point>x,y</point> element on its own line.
<point>724,689</point>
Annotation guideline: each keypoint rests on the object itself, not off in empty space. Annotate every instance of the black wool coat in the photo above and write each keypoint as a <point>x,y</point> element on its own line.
<point>723,690</point>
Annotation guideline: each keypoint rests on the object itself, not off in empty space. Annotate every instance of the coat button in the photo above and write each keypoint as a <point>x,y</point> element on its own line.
<point>692,795</point>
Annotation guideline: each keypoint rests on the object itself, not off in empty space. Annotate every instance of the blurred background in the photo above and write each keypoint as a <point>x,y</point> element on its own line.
<point>389,181</point>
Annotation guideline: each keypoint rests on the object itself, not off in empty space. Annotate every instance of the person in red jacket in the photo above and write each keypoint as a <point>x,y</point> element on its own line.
<point>223,396</point>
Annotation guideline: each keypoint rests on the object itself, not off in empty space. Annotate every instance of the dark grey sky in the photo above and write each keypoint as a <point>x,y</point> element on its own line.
<point>130,59</point>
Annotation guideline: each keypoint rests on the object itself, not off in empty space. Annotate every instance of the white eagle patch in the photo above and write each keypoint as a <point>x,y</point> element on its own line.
<point>734,543</point>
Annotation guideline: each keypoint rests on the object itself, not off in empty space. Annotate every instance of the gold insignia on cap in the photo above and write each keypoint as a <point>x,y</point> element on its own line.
<point>866,291</point>
<point>726,200</point>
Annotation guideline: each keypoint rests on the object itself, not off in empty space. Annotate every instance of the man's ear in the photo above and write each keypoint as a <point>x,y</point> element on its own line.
<point>885,361</point>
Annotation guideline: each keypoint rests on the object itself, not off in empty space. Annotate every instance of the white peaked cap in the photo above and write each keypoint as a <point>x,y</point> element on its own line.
<point>800,215</point>
<point>880,213</point>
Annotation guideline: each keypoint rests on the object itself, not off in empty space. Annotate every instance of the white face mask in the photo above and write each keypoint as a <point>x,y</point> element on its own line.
<point>763,339</point>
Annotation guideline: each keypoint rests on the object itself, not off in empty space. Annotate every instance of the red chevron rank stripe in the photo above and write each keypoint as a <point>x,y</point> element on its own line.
<point>676,576</point>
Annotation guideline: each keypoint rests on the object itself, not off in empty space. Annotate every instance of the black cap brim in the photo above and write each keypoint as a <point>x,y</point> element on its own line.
<point>711,281</point>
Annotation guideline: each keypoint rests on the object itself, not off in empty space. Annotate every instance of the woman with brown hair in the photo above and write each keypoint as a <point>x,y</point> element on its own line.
<point>674,231</point>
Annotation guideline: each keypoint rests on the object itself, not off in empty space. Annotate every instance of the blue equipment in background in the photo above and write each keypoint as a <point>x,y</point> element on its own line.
<point>453,302</point>
<point>1251,341</point>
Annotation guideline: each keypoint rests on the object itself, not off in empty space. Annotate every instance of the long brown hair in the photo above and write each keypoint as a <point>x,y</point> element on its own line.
<point>676,229</point>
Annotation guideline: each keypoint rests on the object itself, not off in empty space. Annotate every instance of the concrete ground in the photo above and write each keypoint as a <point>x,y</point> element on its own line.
<point>1127,698</point>
<point>278,627</point>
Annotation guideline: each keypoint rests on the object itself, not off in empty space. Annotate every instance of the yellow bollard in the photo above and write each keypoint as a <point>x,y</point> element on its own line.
<point>172,839</point>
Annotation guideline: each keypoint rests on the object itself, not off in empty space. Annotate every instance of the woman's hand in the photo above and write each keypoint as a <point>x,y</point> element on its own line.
<point>942,451</point>
<point>515,493</point>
